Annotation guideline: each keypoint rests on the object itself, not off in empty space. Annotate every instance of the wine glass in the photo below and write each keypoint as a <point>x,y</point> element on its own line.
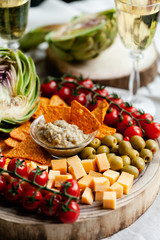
<point>137,21</point>
<point>13,21</point>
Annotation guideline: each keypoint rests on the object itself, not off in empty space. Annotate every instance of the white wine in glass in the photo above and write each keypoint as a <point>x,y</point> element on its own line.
<point>13,21</point>
<point>137,21</point>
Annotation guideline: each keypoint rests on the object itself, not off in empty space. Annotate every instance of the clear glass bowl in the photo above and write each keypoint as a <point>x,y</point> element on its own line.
<point>55,151</point>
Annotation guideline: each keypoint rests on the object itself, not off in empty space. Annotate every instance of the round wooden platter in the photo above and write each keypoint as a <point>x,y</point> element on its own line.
<point>94,222</point>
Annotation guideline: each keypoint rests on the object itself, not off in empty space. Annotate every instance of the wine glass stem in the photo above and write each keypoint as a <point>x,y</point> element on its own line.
<point>12,44</point>
<point>134,80</point>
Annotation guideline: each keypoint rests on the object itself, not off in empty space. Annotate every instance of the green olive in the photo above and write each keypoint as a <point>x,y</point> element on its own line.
<point>93,156</point>
<point>115,150</point>
<point>152,145</point>
<point>109,141</point>
<point>146,154</point>
<point>126,160</point>
<point>118,136</point>
<point>103,149</point>
<point>139,163</point>
<point>87,151</point>
<point>116,163</point>
<point>124,147</point>
<point>133,153</point>
<point>110,155</point>
<point>131,169</point>
<point>137,142</point>
<point>95,143</point>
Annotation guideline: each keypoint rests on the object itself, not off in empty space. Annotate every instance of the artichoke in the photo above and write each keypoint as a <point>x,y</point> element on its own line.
<point>19,89</point>
<point>84,37</point>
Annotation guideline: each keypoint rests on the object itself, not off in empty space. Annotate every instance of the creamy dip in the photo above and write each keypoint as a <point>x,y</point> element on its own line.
<point>60,134</point>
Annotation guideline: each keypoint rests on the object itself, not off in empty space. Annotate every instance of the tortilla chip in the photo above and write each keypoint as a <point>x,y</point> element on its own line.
<point>83,118</point>
<point>28,149</point>
<point>43,102</point>
<point>11,142</point>
<point>57,101</point>
<point>100,111</point>
<point>53,113</point>
<point>21,132</point>
<point>105,130</point>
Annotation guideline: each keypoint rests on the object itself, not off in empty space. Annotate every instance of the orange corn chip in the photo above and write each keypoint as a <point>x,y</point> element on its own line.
<point>57,101</point>
<point>100,111</point>
<point>83,118</point>
<point>43,102</point>
<point>20,132</point>
<point>105,130</point>
<point>53,113</point>
<point>11,142</point>
<point>28,149</point>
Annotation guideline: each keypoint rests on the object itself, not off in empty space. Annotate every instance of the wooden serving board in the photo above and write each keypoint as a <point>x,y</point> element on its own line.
<point>94,221</point>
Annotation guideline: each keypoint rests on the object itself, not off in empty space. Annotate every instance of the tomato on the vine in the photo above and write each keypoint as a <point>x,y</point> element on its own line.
<point>93,104</point>
<point>32,199</point>
<point>64,93</point>
<point>124,122</point>
<point>21,167</point>
<point>102,91</point>
<point>86,83</point>
<point>133,130</point>
<point>41,176</point>
<point>2,161</point>
<point>111,117</point>
<point>13,191</point>
<point>50,204</point>
<point>48,89</point>
<point>71,187</point>
<point>152,130</point>
<point>117,100</point>
<point>69,82</point>
<point>145,118</point>
<point>79,97</point>
<point>128,107</point>
<point>3,183</point>
<point>70,213</point>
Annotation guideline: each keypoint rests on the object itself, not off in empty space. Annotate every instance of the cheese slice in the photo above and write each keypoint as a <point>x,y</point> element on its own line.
<point>111,175</point>
<point>72,160</point>
<point>86,181</point>
<point>77,170</point>
<point>118,188</point>
<point>60,165</point>
<point>102,162</point>
<point>87,196</point>
<point>109,200</point>
<point>126,180</point>
<point>59,179</point>
<point>89,164</point>
<point>100,184</point>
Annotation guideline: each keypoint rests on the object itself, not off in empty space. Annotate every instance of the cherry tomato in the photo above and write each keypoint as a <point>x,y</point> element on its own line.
<point>21,168</point>
<point>69,82</point>
<point>145,119</point>
<point>32,199</point>
<point>71,187</point>
<point>2,161</point>
<point>86,83</point>
<point>2,183</point>
<point>64,93</point>
<point>102,91</point>
<point>50,204</point>
<point>152,130</point>
<point>48,89</point>
<point>92,105</point>
<point>133,130</point>
<point>136,114</point>
<point>41,177</point>
<point>81,98</point>
<point>117,100</point>
<point>124,122</point>
<point>70,214</point>
<point>13,191</point>
<point>126,139</point>
<point>128,107</point>
<point>111,117</point>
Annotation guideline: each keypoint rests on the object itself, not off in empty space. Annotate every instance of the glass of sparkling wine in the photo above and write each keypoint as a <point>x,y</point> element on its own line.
<point>137,21</point>
<point>13,21</point>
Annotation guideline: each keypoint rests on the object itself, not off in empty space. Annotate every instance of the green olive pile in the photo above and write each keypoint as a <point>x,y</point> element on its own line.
<point>129,156</point>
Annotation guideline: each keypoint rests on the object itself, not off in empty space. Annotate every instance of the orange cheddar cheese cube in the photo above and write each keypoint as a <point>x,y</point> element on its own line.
<point>102,162</point>
<point>111,175</point>
<point>77,170</point>
<point>109,200</point>
<point>98,196</point>
<point>126,180</point>
<point>60,164</point>
<point>72,160</point>
<point>118,188</point>
<point>53,173</point>
<point>50,183</point>
<point>100,184</point>
<point>95,174</point>
<point>86,181</point>
<point>89,164</point>
<point>32,165</point>
<point>59,179</point>
<point>87,196</point>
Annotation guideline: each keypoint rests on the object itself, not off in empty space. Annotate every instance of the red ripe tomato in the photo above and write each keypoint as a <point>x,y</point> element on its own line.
<point>132,131</point>
<point>48,89</point>
<point>124,123</point>
<point>81,98</point>
<point>92,105</point>
<point>64,93</point>
<point>41,177</point>
<point>86,83</point>
<point>69,214</point>
<point>50,204</point>
<point>145,119</point>
<point>129,108</point>
<point>126,139</point>
<point>152,130</point>
<point>69,82</point>
<point>71,187</point>
<point>21,166</point>
<point>2,161</point>
<point>116,100</point>
<point>111,117</point>
<point>32,199</point>
<point>13,191</point>
<point>102,91</point>
<point>2,183</point>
